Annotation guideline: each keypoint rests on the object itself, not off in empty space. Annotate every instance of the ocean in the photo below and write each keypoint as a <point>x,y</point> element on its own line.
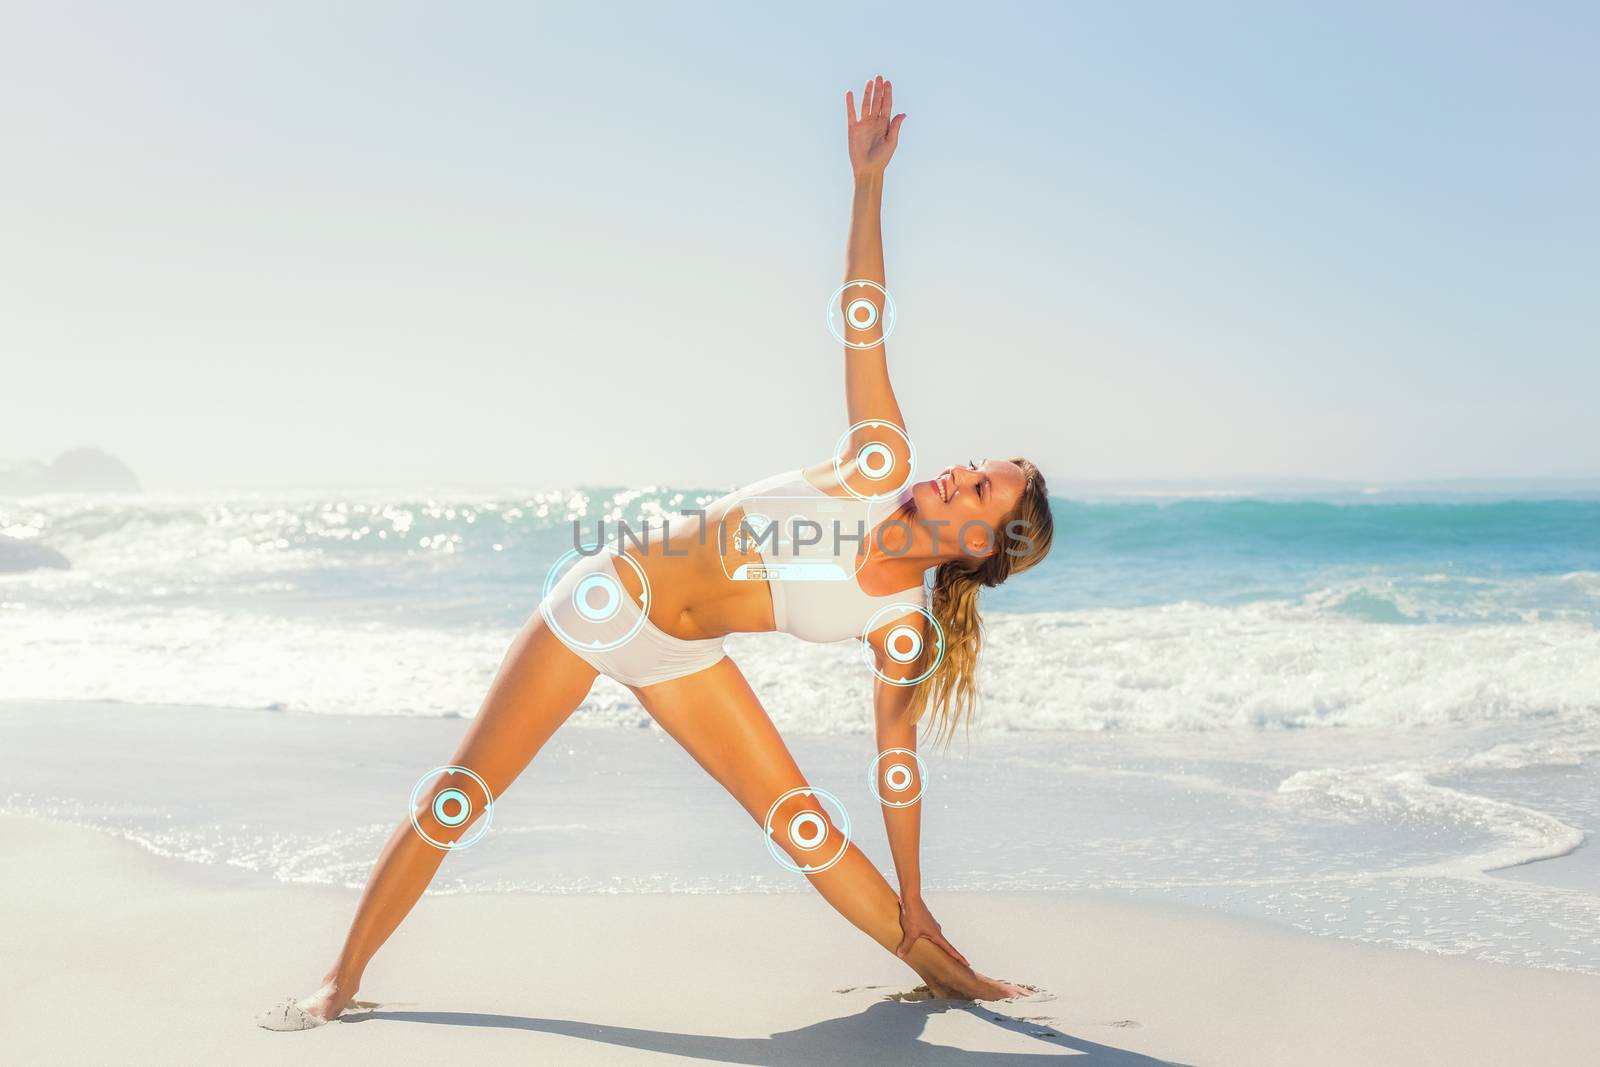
<point>1365,714</point>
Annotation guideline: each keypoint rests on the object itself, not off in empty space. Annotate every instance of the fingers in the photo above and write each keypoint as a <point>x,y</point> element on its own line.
<point>877,101</point>
<point>905,945</point>
<point>938,939</point>
<point>893,135</point>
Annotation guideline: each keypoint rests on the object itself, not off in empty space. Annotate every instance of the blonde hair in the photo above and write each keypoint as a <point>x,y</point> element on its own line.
<point>949,694</point>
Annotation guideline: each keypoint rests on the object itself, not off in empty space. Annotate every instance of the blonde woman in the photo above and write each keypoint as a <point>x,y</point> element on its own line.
<point>840,550</point>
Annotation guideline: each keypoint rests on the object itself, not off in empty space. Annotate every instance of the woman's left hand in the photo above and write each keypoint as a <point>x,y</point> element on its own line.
<point>917,922</point>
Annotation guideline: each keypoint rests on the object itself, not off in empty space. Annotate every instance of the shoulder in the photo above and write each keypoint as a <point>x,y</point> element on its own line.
<point>901,635</point>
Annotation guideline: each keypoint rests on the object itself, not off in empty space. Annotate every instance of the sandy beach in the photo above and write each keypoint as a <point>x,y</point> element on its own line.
<point>114,955</point>
<point>1169,478</point>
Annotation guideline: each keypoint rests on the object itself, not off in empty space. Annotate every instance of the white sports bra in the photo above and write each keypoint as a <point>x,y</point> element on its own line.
<point>810,545</point>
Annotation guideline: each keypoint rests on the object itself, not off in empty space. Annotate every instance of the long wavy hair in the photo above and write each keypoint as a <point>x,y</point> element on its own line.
<point>949,695</point>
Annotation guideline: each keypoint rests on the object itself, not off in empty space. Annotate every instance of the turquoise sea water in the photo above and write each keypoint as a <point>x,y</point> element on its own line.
<point>432,584</point>
<point>1415,561</point>
<point>1366,716</point>
<point>469,558</point>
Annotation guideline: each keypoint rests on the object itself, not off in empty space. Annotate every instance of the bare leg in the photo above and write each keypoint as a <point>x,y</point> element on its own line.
<point>719,721</point>
<point>539,684</point>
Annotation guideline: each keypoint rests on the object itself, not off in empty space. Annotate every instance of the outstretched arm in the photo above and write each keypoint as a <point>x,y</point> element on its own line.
<point>873,136</point>
<point>896,730</point>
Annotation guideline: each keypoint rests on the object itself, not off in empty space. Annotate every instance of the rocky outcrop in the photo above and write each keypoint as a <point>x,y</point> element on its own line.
<point>78,470</point>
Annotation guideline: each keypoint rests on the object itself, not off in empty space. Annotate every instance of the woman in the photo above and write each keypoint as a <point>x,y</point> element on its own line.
<point>789,555</point>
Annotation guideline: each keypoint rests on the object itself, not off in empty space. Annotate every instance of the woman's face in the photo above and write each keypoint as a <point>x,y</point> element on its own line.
<point>972,502</point>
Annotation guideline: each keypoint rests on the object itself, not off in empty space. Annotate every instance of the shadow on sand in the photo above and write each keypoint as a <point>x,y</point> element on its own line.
<point>885,1032</point>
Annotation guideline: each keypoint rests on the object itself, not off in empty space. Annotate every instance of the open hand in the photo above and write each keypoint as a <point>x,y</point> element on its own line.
<point>917,922</point>
<point>874,136</point>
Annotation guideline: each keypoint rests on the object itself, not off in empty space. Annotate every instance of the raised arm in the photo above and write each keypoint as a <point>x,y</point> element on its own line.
<point>873,136</point>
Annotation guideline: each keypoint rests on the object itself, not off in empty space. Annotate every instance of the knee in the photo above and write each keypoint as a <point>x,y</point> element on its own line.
<point>801,825</point>
<point>452,809</point>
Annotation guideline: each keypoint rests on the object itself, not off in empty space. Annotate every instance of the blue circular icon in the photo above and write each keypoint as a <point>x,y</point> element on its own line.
<point>452,806</point>
<point>875,460</point>
<point>904,642</point>
<point>609,591</point>
<point>871,448</point>
<point>586,612</point>
<point>860,312</point>
<point>900,769</point>
<point>820,843</point>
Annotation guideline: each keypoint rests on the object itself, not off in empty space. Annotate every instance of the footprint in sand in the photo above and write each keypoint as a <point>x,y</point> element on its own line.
<point>290,1016</point>
<point>922,993</point>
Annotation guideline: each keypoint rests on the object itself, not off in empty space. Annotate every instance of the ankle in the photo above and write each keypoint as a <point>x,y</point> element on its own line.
<point>934,965</point>
<point>341,982</point>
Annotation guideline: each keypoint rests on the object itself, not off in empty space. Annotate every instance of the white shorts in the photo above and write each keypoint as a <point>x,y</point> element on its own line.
<point>592,613</point>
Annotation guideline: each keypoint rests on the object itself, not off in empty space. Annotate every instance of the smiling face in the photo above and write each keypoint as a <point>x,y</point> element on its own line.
<point>977,496</point>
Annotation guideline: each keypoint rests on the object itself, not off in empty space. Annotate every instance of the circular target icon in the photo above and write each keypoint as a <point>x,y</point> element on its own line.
<point>808,830</point>
<point>454,805</point>
<point>584,599</point>
<point>864,306</point>
<point>897,777</point>
<point>820,843</point>
<point>904,643</point>
<point>874,460</point>
<point>597,598</point>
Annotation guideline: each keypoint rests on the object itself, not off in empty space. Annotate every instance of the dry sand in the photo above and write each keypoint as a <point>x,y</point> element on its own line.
<point>113,955</point>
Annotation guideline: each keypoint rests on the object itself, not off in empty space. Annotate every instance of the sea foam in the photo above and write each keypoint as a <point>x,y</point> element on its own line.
<point>1180,667</point>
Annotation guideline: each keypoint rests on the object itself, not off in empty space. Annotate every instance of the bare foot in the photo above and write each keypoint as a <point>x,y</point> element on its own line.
<point>326,1003</point>
<point>998,989</point>
<point>330,1002</point>
<point>974,986</point>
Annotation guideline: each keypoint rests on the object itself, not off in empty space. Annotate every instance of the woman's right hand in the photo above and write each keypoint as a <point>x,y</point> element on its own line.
<point>917,923</point>
<point>873,136</point>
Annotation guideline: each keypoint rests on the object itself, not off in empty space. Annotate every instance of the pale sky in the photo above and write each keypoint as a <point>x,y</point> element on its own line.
<point>480,244</point>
